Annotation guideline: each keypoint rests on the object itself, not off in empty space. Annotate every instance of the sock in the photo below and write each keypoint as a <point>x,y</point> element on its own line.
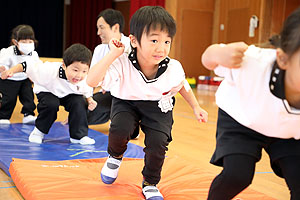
<point>145,183</point>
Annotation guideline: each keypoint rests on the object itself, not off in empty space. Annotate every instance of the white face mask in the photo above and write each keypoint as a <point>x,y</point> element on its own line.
<point>26,48</point>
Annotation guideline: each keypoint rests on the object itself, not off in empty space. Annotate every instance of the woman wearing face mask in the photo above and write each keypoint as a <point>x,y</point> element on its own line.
<point>22,49</point>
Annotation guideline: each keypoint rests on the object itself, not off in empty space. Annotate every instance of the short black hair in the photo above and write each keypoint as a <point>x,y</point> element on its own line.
<point>113,17</point>
<point>23,32</point>
<point>77,53</point>
<point>290,33</point>
<point>275,41</point>
<point>151,17</point>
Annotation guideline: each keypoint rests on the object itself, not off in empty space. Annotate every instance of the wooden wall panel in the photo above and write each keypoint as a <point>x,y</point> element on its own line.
<point>277,15</point>
<point>189,16</point>
<point>171,7</point>
<point>195,39</point>
<point>265,21</point>
<point>280,11</point>
<point>124,8</point>
<point>237,25</point>
<point>235,16</point>
<point>271,14</point>
<point>290,6</point>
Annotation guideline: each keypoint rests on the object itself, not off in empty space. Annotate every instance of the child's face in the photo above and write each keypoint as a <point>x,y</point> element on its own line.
<point>153,48</point>
<point>76,72</point>
<point>104,31</point>
<point>24,45</point>
<point>293,72</point>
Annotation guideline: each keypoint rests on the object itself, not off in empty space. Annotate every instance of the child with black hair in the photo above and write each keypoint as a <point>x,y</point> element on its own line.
<point>259,108</point>
<point>143,85</point>
<point>22,49</point>
<point>56,84</point>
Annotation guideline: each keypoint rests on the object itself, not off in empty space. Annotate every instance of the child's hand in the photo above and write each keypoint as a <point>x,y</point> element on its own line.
<point>116,47</point>
<point>201,115</point>
<point>232,54</point>
<point>6,74</point>
<point>2,69</point>
<point>92,104</point>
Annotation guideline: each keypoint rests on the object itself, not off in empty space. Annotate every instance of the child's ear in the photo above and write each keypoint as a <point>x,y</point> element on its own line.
<point>281,58</point>
<point>116,28</point>
<point>64,66</point>
<point>14,42</point>
<point>133,41</point>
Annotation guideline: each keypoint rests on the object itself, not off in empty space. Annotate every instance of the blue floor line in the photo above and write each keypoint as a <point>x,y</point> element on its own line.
<point>7,181</point>
<point>7,187</point>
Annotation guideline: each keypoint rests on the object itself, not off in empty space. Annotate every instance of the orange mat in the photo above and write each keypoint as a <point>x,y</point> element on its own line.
<point>80,180</point>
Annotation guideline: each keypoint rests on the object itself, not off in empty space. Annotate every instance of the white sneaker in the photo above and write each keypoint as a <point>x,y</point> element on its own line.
<point>151,192</point>
<point>83,141</point>
<point>36,136</point>
<point>110,170</point>
<point>4,121</point>
<point>29,119</point>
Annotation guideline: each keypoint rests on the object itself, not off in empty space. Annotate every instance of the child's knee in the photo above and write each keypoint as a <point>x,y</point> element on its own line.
<point>122,124</point>
<point>157,146</point>
<point>79,102</point>
<point>120,131</point>
<point>237,178</point>
<point>52,106</point>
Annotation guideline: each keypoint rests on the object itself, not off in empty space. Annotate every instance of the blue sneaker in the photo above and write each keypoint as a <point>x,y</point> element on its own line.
<point>110,170</point>
<point>151,192</point>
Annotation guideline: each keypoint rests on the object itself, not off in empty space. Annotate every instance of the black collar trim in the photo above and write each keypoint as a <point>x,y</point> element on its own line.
<point>62,73</point>
<point>162,66</point>
<point>18,53</point>
<point>276,83</point>
<point>24,65</point>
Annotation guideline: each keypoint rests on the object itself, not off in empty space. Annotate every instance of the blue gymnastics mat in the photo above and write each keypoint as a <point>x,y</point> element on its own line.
<point>56,145</point>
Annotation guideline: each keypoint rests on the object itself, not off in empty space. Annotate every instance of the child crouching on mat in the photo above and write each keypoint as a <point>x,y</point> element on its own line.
<point>259,108</point>
<point>63,84</point>
<point>143,85</point>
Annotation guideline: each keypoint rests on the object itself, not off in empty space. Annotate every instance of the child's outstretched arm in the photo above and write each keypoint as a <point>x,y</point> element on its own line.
<point>98,71</point>
<point>230,55</point>
<point>10,72</point>
<point>188,95</point>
